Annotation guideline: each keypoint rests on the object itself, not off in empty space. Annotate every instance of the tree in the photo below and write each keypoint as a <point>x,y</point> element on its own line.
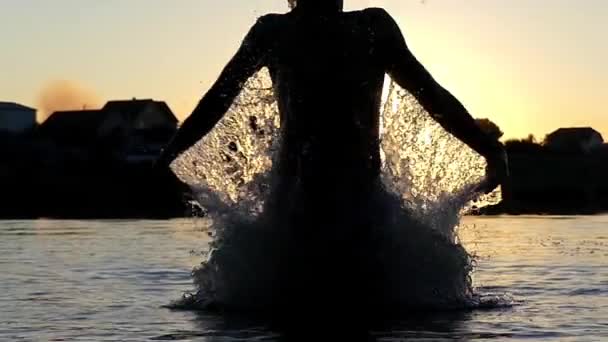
<point>531,139</point>
<point>525,145</point>
<point>490,128</point>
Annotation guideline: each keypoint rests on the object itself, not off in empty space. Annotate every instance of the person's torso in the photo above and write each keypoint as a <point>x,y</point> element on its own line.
<point>328,82</point>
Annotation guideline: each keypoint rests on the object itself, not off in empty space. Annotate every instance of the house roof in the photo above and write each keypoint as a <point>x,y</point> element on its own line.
<point>80,125</point>
<point>13,106</point>
<point>78,119</point>
<point>92,119</point>
<point>135,106</point>
<point>574,133</point>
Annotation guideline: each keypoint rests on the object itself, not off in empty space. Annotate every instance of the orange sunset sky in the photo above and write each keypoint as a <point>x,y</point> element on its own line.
<point>530,66</point>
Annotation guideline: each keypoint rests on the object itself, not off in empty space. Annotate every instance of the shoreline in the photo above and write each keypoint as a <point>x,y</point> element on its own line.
<point>39,181</point>
<point>183,211</point>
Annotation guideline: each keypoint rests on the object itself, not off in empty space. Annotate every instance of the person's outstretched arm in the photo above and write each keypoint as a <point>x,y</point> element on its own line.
<point>249,58</point>
<point>444,108</point>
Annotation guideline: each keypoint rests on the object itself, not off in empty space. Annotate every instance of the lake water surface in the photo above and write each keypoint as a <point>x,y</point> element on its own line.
<point>108,280</point>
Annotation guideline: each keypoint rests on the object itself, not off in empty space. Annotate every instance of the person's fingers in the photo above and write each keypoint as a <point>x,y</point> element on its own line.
<point>486,187</point>
<point>492,187</point>
<point>491,182</point>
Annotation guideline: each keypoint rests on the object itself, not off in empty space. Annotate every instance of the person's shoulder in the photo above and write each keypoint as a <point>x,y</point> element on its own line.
<point>271,19</point>
<point>267,24</point>
<point>375,11</point>
<point>381,20</point>
<point>377,14</point>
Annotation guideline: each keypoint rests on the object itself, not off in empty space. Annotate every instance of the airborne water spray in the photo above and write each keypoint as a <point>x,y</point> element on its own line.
<point>428,178</point>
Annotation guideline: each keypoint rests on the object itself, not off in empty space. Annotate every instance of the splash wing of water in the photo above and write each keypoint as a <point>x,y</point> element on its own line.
<point>428,178</point>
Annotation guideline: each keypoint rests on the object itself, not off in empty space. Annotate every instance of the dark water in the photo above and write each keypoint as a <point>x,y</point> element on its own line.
<point>108,281</point>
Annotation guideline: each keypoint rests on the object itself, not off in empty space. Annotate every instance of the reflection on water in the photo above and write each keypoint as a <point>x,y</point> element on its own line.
<point>109,280</point>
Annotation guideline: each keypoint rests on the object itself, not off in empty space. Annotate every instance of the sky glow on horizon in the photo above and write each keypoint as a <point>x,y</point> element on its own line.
<point>530,66</point>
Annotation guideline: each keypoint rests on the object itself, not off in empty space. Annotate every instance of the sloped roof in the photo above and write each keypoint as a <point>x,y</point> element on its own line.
<point>72,127</point>
<point>127,106</point>
<point>74,120</point>
<point>81,126</point>
<point>576,133</point>
<point>133,107</point>
<point>13,106</point>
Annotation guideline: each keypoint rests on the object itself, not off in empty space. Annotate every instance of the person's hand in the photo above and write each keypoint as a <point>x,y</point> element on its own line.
<point>163,162</point>
<point>164,179</point>
<point>161,169</point>
<point>497,171</point>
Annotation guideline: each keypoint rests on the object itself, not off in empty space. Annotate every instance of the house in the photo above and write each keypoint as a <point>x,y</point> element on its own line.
<point>143,114</point>
<point>147,126</point>
<point>76,129</point>
<point>132,130</point>
<point>575,139</point>
<point>16,118</point>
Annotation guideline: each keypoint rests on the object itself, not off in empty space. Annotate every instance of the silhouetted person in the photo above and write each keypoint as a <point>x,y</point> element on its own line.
<point>327,67</point>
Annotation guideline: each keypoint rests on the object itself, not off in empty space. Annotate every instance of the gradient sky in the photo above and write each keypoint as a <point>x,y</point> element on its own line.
<point>529,65</point>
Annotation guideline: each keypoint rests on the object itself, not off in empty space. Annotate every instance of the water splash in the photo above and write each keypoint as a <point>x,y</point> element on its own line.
<point>428,182</point>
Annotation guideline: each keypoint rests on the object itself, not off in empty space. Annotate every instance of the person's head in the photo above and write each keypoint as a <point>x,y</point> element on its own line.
<point>317,5</point>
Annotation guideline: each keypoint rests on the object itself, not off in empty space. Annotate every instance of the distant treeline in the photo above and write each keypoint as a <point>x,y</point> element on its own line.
<point>565,173</point>
<point>40,180</point>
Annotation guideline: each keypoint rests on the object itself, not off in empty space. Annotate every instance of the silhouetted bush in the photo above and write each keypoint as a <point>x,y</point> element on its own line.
<point>490,128</point>
<point>527,145</point>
